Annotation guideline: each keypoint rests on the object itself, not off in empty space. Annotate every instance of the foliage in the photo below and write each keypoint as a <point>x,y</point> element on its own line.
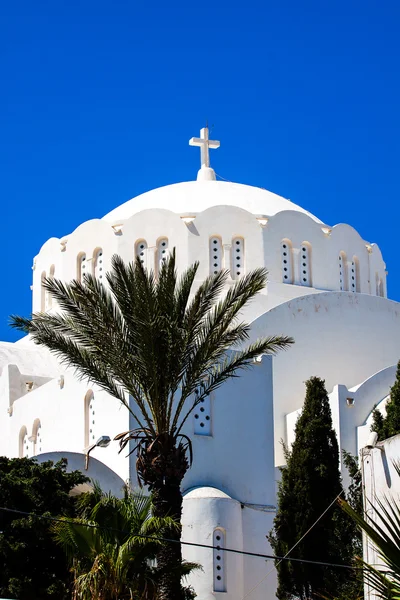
<point>156,340</point>
<point>355,589</point>
<point>389,425</point>
<point>33,567</point>
<point>354,492</point>
<point>110,546</point>
<point>310,482</point>
<point>384,532</point>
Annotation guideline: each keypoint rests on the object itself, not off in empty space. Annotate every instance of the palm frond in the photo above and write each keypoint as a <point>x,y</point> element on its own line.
<point>149,341</point>
<point>383,531</point>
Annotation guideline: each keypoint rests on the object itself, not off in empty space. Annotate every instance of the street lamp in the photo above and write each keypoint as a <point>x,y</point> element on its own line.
<point>102,442</point>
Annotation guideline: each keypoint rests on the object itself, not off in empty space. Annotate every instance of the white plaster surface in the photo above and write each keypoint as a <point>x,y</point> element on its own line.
<point>96,472</point>
<point>381,484</point>
<point>192,197</point>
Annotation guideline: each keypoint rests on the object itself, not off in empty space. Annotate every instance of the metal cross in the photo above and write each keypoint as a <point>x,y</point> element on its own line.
<point>204,144</point>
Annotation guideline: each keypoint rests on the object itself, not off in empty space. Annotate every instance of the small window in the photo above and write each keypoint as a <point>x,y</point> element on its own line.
<point>98,265</point>
<point>354,275</point>
<point>90,419</point>
<point>24,444</point>
<point>162,253</point>
<point>37,437</point>
<point>141,252</point>
<point>343,277</point>
<point>219,560</point>
<point>202,416</point>
<point>237,258</point>
<point>305,264</point>
<point>287,261</point>
<point>48,297</point>
<point>215,251</point>
<point>81,267</point>
<point>43,293</point>
<point>379,285</point>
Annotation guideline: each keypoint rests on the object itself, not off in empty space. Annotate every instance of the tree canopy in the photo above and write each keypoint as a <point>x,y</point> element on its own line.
<point>34,567</point>
<point>309,485</point>
<point>389,425</point>
<point>111,546</point>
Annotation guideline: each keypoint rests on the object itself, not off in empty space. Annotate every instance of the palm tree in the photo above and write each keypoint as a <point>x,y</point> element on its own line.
<point>110,546</point>
<point>384,532</point>
<point>165,346</point>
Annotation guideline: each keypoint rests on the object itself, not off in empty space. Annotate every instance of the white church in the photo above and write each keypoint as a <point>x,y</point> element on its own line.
<point>326,289</point>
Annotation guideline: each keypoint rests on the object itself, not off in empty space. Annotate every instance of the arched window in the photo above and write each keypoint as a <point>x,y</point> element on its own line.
<point>354,277</point>
<point>287,261</point>
<point>215,250</point>
<point>237,258</point>
<point>141,252</point>
<point>343,277</point>
<point>43,293</point>
<point>379,285</point>
<point>90,424</point>
<point>24,444</point>
<point>81,267</point>
<point>305,264</point>
<point>98,264</point>
<point>48,297</point>
<point>37,437</point>
<point>202,416</point>
<point>162,253</point>
<point>219,566</point>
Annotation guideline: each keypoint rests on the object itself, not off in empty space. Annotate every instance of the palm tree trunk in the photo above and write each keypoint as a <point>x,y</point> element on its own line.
<point>167,502</point>
<point>161,465</point>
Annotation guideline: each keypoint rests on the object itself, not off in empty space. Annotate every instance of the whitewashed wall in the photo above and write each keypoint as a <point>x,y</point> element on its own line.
<point>381,483</point>
<point>339,336</point>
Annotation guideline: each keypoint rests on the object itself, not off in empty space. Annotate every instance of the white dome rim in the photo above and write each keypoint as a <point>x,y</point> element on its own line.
<point>193,197</point>
<point>200,491</point>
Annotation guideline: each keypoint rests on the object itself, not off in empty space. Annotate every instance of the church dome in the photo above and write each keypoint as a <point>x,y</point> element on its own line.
<point>221,225</point>
<point>193,197</point>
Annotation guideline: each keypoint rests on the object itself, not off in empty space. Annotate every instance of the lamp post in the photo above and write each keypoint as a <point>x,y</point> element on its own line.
<point>102,442</point>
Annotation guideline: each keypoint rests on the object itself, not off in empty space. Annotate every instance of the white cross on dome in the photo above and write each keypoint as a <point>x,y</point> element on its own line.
<point>205,144</point>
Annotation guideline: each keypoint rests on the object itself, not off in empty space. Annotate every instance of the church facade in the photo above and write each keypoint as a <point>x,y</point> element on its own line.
<point>326,289</point>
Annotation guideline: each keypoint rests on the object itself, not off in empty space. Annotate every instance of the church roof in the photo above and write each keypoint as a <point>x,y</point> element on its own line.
<point>192,197</point>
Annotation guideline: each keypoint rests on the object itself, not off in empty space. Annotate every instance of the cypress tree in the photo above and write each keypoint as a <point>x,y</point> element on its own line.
<point>388,426</point>
<point>310,482</point>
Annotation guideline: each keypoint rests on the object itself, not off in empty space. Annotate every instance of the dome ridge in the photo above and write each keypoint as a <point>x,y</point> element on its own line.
<point>193,197</point>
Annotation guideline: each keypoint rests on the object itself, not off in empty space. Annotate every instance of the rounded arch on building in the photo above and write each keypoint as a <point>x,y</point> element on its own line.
<point>287,260</point>
<point>23,450</point>
<point>81,266</point>
<point>42,292</point>
<point>97,263</point>
<point>97,471</point>
<point>88,407</point>
<point>305,266</point>
<point>36,436</point>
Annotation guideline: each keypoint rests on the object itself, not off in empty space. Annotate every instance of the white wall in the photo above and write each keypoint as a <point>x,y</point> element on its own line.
<point>60,411</point>
<point>340,337</point>
<point>204,510</point>
<point>381,483</point>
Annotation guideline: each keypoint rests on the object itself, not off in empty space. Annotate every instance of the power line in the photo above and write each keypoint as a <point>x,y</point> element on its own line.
<point>169,540</point>
<point>293,547</point>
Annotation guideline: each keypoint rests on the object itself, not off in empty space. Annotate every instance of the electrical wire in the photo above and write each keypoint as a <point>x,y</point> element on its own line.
<point>293,547</point>
<point>164,539</point>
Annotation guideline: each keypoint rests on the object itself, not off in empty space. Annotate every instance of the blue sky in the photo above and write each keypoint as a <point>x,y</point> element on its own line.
<point>99,99</point>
